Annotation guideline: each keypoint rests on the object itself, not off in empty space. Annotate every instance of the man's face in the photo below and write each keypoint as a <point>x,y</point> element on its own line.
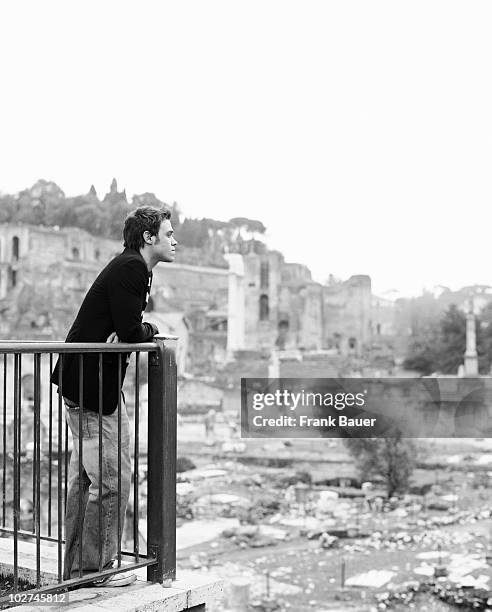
<point>164,243</point>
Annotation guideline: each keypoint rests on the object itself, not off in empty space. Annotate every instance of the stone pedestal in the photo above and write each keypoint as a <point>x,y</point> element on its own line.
<point>238,596</point>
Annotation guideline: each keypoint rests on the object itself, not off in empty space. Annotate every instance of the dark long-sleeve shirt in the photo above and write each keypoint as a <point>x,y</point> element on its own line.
<point>114,303</point>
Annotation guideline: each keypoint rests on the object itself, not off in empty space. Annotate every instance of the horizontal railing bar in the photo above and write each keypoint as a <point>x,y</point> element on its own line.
<point>42,346</point>
<point>67,584</point>
<point>76,347</point>
<point>28,534</point>
<point>159,336</point>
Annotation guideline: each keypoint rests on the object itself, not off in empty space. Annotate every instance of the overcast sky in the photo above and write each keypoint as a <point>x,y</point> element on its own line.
<point>360,133</point>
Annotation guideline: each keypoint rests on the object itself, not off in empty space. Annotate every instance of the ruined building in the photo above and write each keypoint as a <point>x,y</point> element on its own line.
<point>258,303</point>
<point>277,304</point>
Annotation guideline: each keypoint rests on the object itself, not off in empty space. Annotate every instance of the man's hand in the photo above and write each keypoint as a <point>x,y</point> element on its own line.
<point>112,338</point>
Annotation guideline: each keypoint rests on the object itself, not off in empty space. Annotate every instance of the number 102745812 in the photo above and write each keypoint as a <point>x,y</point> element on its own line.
<point>46,599</point>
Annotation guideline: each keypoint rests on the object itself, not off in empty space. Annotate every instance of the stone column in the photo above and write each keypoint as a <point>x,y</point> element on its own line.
<point>471,358</point>
<point>274,365</point>
<point>235,305</point>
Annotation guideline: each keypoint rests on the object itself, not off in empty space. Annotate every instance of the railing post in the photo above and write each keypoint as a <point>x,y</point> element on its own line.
<point>161,458</point>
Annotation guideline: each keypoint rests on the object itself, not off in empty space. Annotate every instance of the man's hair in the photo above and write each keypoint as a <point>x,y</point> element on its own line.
<point>145,219</point>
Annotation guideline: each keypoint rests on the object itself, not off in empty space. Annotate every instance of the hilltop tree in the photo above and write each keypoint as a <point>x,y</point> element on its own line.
<point>40,203</point>
<point>88,213</point>
<point>194,233</point>
<point>146,199</point>
<point>45,204</point>
<point>8,208</point>
<point>250,225</point>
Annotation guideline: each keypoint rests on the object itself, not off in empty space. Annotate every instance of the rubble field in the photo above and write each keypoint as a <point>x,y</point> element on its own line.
<point>305,538</point>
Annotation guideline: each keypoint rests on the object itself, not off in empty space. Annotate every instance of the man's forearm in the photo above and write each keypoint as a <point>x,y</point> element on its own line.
<point>150,331</point>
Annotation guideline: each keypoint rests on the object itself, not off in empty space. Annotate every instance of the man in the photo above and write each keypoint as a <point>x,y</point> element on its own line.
<point>111,311</point>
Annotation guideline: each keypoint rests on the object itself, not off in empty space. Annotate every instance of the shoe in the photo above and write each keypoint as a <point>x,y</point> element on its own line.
<point>115,580</point>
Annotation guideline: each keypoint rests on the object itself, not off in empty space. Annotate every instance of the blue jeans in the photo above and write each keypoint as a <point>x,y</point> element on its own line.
<point>89,488</point>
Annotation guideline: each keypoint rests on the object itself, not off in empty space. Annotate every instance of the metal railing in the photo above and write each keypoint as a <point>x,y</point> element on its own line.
<point>35,453</point>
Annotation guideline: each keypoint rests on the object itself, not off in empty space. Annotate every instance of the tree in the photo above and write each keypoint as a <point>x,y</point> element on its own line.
<point>451,341</point>
<point>8,208</point>
<point>88,213</point>
<point>39,203</point>
<point>146,199</point>
<point>484,339</point>
<point>194,233</point>
<point>249,225</point>
<point>440,347</point>
<point>422,352</point>
<point>392,459</point>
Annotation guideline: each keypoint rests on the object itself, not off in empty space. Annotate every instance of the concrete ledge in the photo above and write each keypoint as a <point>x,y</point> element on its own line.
<point>191,589</point>
<point>142,596</point>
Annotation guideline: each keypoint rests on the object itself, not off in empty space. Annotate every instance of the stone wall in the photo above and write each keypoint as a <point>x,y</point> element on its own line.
<point>347,314</point>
